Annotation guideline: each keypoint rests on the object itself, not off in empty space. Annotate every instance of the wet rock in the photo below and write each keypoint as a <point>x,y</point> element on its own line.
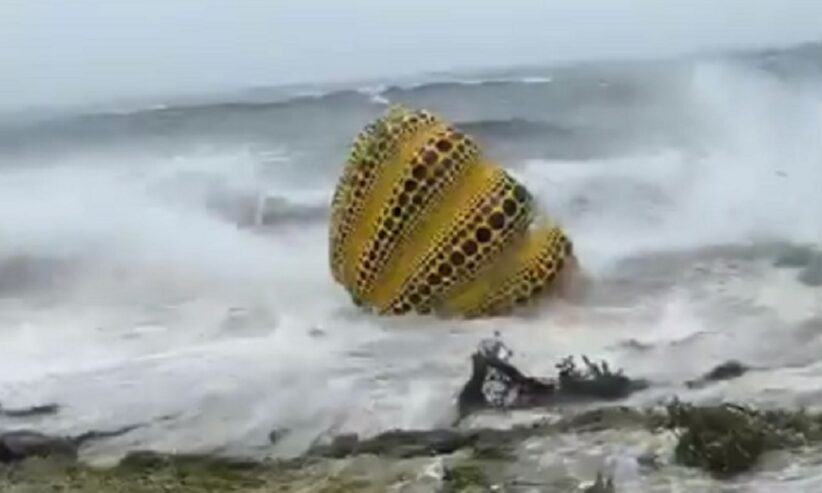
<point>466,478</point>
<point>795,256</point>
<point>726,371</point>
<point>811,275</point>
<point>18,445</point>
<point>729,439</point>
<point>482,443</point>
<point>146,459</point>
<point>602,484</point>
<point>606,418</point>
<point>29,412</point>
<point>400,443</point>
<point>276,435</point>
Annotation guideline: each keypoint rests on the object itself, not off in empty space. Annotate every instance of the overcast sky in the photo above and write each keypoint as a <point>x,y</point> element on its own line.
<point>79,51</point>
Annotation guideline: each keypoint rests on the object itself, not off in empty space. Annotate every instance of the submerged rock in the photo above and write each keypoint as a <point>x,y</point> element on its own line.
<point>796,256</point>
<point>811,275</point>
<point>29,412</point>
<point>602,484</point>
<point>411,443</point>
<point>465,478</point>
<point>726,371</point>
<point>19,445</point>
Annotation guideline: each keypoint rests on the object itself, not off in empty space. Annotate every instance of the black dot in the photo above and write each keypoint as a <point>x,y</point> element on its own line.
<point>402,199</point>
<point>447,163</point>
<point>521,300</point>
<point>396,212</point>
<point>497,220</point>
<point>417,199</point>
<point>381,234</point>
<point>483,235</point>
<point>445,270</point>
<point>429,157</point>
<point>410,185</point>
<point>418,172</point>
<point>414,298</point>
<point>444,145</point>
<point>510,207</point>
<point>424,290</point>
<point>457,258</point>
<point>433,279</point>
<point>470,266</point>
<point>486,209</point>
<point>520,193</point>
<point>389,224</point>
<point>469,247</point>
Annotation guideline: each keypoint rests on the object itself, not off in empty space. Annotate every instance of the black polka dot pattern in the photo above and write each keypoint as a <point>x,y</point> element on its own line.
<point>531,280</point>
<point>398,220</point>
<point>458,257</point>
<point>375,144</point>
<point>427,160</point>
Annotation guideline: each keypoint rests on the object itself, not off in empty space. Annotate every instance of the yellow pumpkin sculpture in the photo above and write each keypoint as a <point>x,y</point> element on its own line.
<point>422,222</point>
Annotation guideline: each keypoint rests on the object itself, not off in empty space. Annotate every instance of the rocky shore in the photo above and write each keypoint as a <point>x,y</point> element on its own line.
<point>720,442</point>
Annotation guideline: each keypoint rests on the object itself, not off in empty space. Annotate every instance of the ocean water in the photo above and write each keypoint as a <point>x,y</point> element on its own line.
<point>167,265</point>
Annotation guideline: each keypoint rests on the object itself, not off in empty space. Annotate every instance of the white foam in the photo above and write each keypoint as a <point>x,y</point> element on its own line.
<point>177,311</point>
<point>756,177</point>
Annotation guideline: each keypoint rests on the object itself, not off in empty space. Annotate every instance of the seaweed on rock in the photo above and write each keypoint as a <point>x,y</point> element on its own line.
<point>729,439</point>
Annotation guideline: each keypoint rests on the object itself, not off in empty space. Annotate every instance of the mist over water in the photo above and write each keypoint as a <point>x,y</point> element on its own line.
<point>169,265</point>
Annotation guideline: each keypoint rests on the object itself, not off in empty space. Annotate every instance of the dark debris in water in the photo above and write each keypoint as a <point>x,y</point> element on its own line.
<point>726,371</point>
<point>595,381</point>
<point>496,383</point>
